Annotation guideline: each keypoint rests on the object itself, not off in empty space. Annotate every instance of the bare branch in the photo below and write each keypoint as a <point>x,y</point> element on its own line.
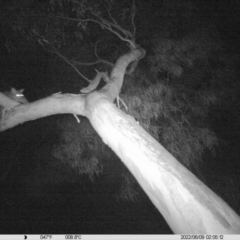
<point>100,60</point>
<point>115,25</point>
<point>107,25</point>
<point>112,25</point>
<point>104,61</point>
<point>109,9</point>
<point>94,83</point>
<point>72,65</point>
<point>133,13</point>
<point>42,40</point>
<point>93,63</point>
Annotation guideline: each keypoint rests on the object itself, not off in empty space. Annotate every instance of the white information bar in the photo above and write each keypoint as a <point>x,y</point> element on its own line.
<point>121,237</point>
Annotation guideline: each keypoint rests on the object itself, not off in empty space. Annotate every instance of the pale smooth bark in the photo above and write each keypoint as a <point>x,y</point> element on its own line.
<point>185,202</point>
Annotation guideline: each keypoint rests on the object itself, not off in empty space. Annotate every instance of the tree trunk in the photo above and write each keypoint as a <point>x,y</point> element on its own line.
<point>185,202</point>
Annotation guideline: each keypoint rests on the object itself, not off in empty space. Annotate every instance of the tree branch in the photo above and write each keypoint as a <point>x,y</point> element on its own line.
<point>72,65</point>
<point>112,25</point>
<point>133,13</point>
<point>100,60</point>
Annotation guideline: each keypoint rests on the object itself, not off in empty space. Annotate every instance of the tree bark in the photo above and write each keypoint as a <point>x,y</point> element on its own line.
<point>185,202</point>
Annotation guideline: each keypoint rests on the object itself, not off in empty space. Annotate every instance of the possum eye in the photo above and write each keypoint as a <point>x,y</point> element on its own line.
<point>19,95</point>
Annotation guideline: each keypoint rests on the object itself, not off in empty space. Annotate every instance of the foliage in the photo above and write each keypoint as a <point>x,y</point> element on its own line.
<point>198,62</point>
<point>170,117</point>
<point>129,188</point>
<point>173,56</point>
<point>81,149</point>
<point>173,102</point>
<point>78,147</point>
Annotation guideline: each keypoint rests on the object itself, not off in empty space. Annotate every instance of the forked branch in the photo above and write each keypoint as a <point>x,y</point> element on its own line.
<point>110,24</point>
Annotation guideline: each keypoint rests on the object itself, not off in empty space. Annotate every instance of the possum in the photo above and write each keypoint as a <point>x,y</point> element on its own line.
<point>16,95</point>
<point>12,98</point>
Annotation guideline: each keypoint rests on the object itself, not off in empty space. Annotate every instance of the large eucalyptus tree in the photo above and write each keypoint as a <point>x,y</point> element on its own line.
<point>186,203</point>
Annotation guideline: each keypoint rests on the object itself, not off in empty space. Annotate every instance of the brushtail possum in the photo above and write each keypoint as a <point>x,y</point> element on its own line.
<point>16,95</point>
<point>12,98</point>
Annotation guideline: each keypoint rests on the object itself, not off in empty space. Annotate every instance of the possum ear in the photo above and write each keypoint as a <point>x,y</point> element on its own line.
<point>14,91</point>
<point>21,90</point>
